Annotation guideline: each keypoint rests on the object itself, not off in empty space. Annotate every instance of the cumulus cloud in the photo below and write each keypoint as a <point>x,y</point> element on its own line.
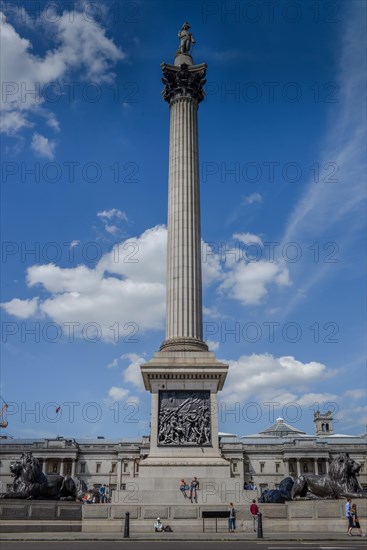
<point>240,275</point>
<point>264,377</point>
<point>118,394</point>
<point>248,282</point>
<point>76,45</point>
<point>21,308</point>
<point>131,373</point>
<point>112,213</point>
<point>213,346</point>
<point>112,219</point>
<point>43,147</point>
<point>124,294</point>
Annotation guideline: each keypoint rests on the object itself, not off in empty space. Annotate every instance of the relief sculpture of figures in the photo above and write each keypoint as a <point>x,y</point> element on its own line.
<point>186,39</point>
<point>184,418</point>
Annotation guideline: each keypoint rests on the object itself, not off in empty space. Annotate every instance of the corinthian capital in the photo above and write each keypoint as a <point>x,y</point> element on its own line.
<point>183,81</point>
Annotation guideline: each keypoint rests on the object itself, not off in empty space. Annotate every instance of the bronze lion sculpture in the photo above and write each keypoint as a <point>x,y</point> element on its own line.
<point>341,481</point>
<point>278,496</point>
<point>31,483</point>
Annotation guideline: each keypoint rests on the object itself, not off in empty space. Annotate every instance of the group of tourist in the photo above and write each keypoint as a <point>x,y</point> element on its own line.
<point>352,518</point>
<point>193,488</point>
<point>250,485</point>
<point>97,496</point>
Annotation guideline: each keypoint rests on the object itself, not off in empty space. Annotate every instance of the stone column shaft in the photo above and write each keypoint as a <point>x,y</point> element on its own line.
<point>184,300</point>
<point>184,91</point>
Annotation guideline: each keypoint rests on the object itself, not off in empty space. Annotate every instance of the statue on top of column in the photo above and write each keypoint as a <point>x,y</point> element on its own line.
<point>186,39</point>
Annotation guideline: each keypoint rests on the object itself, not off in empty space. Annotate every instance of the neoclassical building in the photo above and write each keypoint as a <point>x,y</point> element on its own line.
<point>266,458</point>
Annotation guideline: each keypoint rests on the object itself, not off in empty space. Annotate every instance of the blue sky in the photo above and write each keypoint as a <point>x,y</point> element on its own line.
<point>84,207</point>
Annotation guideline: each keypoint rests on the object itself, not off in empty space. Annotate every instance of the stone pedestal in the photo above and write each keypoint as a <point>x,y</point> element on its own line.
<point>192,454</point>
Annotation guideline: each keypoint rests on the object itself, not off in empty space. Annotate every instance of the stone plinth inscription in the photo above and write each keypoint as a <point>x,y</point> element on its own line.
<point>184,418</point>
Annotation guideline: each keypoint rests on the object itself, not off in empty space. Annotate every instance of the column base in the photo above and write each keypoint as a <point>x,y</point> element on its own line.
<point>184,344</point>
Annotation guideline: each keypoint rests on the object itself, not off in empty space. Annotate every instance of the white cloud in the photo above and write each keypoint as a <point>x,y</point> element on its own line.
<point>355,394</point>
<point>77,44</point>
<point>127,287</point>
<point>248,238</point>
<point>213,346</point>
<point>118,394</point>
<point>21,308</point>
<point>211,263</point>
<point>113,364</point>
<point>254,197</point>
<point>316,399</point>
<point>112,213</point>
<point>132,374</point>
<point>111,229</point>
<point>274,379</point>
<point>124,294</point>
<point>248,282</point>
<point>42,146</point>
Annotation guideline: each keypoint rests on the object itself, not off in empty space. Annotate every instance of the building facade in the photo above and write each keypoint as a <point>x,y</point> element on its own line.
<point>266,458</point>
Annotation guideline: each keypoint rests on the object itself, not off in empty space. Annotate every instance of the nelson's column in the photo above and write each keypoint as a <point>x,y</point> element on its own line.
<point>183,377</point>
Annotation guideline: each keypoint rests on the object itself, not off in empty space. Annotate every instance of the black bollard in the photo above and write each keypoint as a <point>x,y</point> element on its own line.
<point>259,525</point>
<point>127,526</point>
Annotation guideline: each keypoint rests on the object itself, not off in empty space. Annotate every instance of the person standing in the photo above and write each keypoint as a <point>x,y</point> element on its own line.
<point>194,487</point>
<point>355,520</point>
<point>254,510</point>
<point>102,493</point>
<point>348,515</point>
<point>232,518</point>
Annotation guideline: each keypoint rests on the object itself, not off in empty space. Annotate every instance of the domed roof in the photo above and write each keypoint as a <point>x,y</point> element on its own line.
<point>281,429</point>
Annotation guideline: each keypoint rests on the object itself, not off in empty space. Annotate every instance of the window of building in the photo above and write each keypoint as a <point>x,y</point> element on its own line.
<point>247,467</point>
<point>98,467</point>
<point>305,468</point>
<point>54,467</point>
<point>82,467</point>
<point>234,466</point>
<point>123,486</point>
<point>291,467</point>
<point>113,467</point>
<point>277,467</point>
<point>321,467</point>
<point>362,467</point>
<point>262,467</point>
<point>67,467</point>
<point>126,466</point>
